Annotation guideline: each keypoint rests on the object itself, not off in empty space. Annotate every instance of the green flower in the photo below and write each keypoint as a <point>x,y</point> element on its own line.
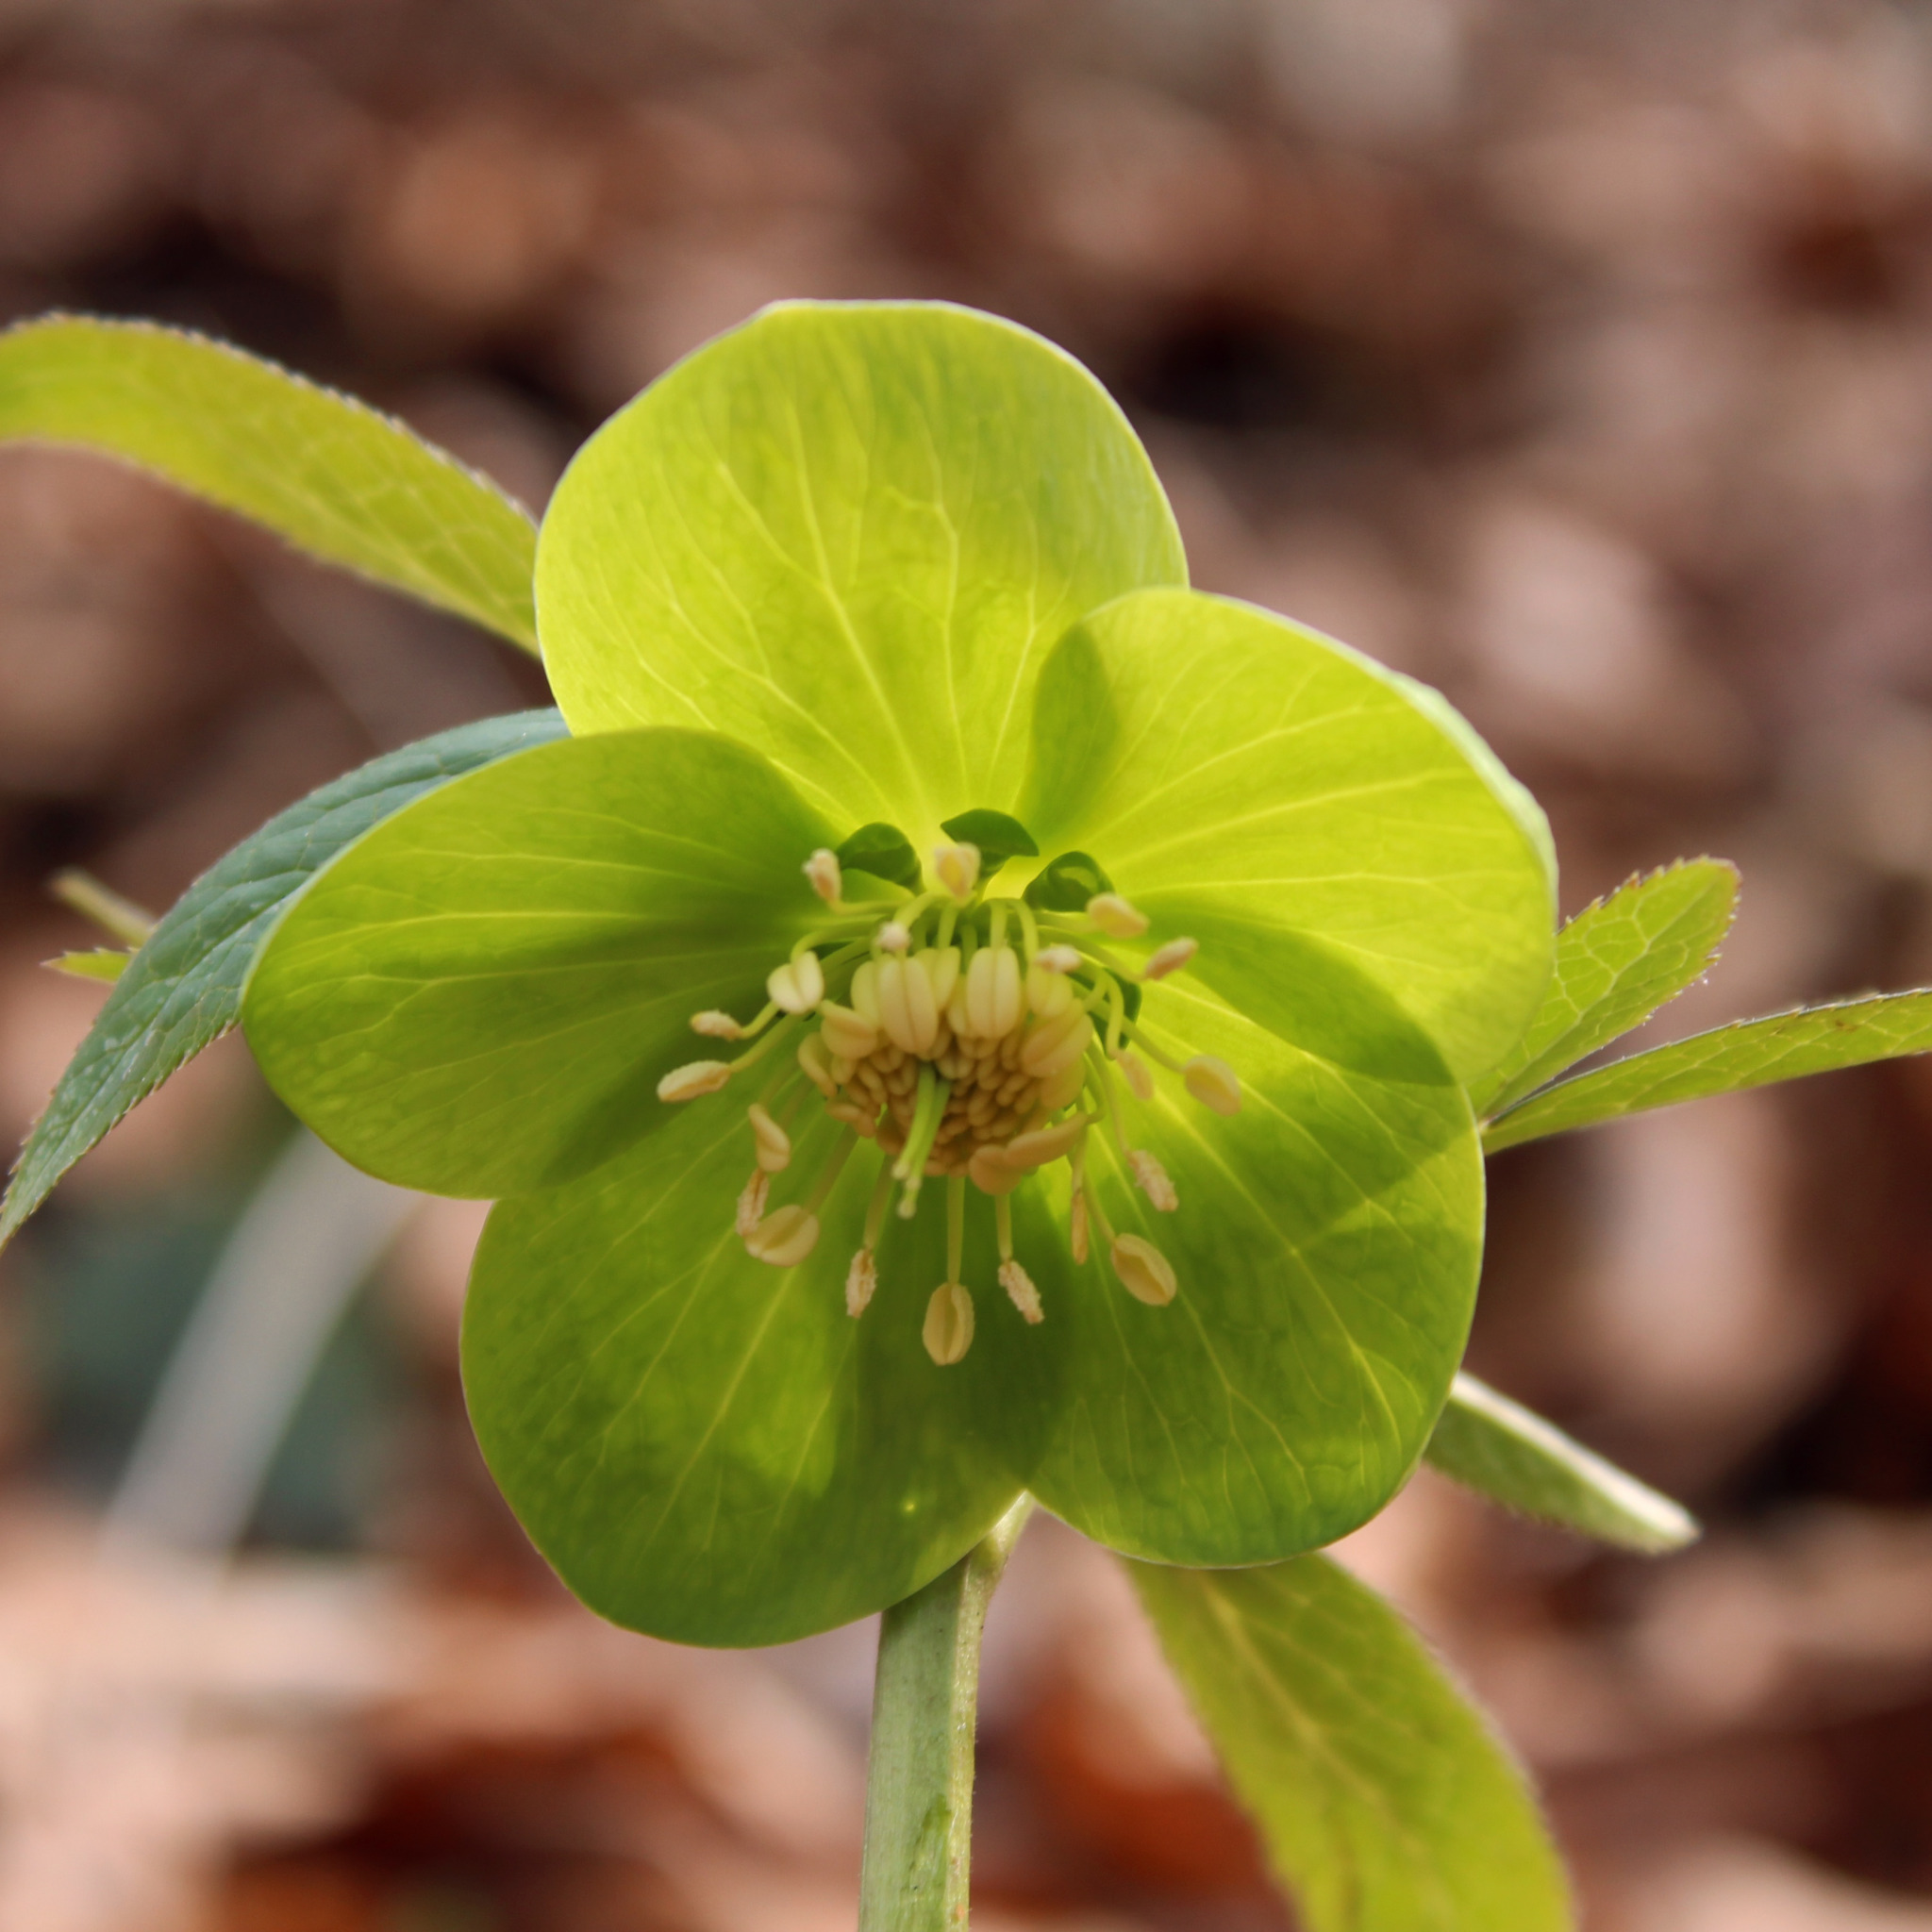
<point>1088,974</point>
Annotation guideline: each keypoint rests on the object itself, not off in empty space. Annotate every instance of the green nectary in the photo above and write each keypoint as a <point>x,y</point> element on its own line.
<point>867,569</point>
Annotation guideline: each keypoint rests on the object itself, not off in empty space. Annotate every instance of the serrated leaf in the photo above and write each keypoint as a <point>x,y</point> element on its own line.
<point>104,962</point>
<point>183,989</point>
<point>329,475</point>
<point>1386,1801</point>
<point>1748,1053</point>
<point>1512,1455</point>
<point>998,835</point>
<point>1617,962</point>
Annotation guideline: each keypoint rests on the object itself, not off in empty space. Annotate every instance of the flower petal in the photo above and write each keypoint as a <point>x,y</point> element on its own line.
<point>481,994</point>
<point>847,534</point>
<point>708,1448</point>
<point>1325,1248</point>
<point>1234,769</point>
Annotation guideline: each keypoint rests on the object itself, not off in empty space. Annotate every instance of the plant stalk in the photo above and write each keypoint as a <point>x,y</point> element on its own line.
<point>919,1778</point>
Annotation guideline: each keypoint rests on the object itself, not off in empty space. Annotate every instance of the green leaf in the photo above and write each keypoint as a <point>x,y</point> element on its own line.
<point>102,962</point>
<point>847,534</point>
<point>884,851</point>
<point>482,996</point>
<point>1617,962</point>
<point>183,988</point>
<point>1385,1799</point>
<point>1326,1245</point>
<point>706,1447</point>
<point>1284,801</point>
<point>1748,1053</point>
<point>1517,1459</point>
<point>330,476</point>
<point>998,835</point>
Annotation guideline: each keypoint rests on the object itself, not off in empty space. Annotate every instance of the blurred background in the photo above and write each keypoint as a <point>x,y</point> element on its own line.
<point>1576,358</point>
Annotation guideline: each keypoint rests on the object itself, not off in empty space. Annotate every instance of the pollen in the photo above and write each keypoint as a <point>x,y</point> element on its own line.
<point>969,1041</point>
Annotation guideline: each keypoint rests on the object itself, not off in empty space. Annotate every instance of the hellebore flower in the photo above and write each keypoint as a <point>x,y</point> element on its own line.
<point>963,1012</point>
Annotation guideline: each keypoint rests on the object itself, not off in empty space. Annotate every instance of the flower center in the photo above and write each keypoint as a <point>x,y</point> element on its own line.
<point>970,1040</point>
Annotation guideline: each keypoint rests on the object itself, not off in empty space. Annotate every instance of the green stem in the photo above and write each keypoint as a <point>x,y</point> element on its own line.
<point>919,1781</point>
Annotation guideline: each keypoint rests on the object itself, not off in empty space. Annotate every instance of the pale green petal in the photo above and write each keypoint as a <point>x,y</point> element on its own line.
<point>848,534</point>
<point>483,994</point>
<point>1228,767</point>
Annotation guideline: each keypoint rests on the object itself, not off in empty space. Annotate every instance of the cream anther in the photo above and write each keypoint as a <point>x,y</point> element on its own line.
<point>1049,991</point>
<point>861,1283</point>
<point>958,867</point>
<point>1115,917</point>
<point>822,869</point>
<point>908,1010</point>
<point>716,1025</point>
<point>785,1236</point>
<point>774,1143</point>
<point>893,938</point>
<point>1140,1081</point>
<point>693,1081</point>
<point>1019,1286</point>
<point>993,1004</point>
<point>1170,958</point>
<point>1145,1272</point>
<point>1213,1083</point>
<point>1153,1180</point>
<point>1056,1044</point>
<point>751,1204</point>
<point>850,1036</point>
<point>948,1330</point>
<point>1029,1151</point>
<point>991,1173</point>
<point>1056,959</point>
<point>812,1062</point>
<point>798,986</point>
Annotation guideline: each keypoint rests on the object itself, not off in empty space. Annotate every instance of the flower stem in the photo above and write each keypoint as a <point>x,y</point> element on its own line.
<point>919,1780</point>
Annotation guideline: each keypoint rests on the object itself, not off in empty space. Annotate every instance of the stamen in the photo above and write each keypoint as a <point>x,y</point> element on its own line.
<point>993,994</point>
<point>955,1225</point>
<point>948,1330</point>
<point>893,937</point>
<point>850,1035</point>
<point>1116,917</point>
<point>1140,1081</point>
<point>1214,1084</point>
<point>1057,958</point>
<point>1145,1272</point>
<point>1029,1151</point>
<point>861,1283</point>
<point>694,1080</point>
<point>812,1061</point>
<point>1170,958</point>
<point>1056,1044</point>
<point>991,1173</point>
<point>716,1025</point>
<point>822,869</point>
<point>751,1204</point>
<point>774,1143</point>
<point>1019,1289</point>
<point>785,1236</point>
<point>1152,1180</point>
<point>1049,991</point>
<point>958,867</point>
<point>798,985</point>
